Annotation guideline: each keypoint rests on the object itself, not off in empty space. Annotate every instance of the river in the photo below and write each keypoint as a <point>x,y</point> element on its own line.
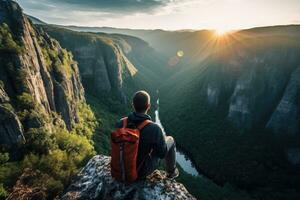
<point>182,159</point>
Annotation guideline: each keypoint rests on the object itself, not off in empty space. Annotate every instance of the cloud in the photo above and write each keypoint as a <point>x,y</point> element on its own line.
<point>90,11</point>
<point>112,6</point>
<point>117,5</point>
<point>81,11</point>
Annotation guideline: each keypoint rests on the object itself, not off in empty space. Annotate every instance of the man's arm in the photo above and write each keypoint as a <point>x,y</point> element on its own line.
<point>160,147</point>
<point>119,124</point>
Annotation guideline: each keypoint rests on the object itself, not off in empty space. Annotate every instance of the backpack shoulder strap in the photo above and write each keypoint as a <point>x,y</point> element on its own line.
<point>144,123</point>
<point>125,122</point>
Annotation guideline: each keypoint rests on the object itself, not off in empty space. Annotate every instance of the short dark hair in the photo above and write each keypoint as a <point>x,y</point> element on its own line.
<point>140,101</point>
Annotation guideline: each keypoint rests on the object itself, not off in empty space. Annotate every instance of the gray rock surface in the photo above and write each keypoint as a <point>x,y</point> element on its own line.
<point>286,117</point>
<point>43,69</point>
<point>11,130</point>
<point>258,88</point>
<point>95,182</point>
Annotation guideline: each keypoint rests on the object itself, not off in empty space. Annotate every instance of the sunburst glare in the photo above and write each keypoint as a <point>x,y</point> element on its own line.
<point>221,31</point>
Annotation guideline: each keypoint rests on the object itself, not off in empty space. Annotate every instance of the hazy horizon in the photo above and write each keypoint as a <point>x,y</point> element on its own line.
<point>200,29</point>
<point>166,14</point>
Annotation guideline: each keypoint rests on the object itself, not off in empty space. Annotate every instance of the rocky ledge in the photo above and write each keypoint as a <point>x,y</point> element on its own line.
<point>95,182</point>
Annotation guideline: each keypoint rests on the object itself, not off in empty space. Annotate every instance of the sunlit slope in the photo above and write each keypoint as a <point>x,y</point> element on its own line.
<point>142,55</point>
<point>229,111</point>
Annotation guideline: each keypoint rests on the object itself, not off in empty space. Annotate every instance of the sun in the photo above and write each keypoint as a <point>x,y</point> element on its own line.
<point>221,31</point>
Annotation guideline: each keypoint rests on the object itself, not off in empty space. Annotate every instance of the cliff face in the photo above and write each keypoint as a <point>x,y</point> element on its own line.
<point>103,66</point>
<point>260,86</point>
<point>95,182</point>
<point>286,117</point>
<point>34,70</point>
<point>11,129</point>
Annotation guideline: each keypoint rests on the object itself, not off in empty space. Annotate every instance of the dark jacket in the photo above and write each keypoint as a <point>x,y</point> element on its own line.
<point>151,137</point>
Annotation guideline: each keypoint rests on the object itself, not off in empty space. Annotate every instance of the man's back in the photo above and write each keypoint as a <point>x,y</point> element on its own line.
<point>153,144</point>
<point>151,138</point>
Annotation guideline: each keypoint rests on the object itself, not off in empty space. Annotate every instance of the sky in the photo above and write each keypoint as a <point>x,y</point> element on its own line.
<point>166,14</point>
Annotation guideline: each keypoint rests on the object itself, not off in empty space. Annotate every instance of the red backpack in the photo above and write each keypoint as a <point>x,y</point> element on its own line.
<point>124,151</point>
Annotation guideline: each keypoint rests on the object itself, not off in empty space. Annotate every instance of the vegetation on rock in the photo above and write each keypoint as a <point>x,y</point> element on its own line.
<point>7,42</point>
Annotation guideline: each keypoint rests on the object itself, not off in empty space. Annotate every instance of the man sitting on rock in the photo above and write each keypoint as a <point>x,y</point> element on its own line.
<point>153,144</point>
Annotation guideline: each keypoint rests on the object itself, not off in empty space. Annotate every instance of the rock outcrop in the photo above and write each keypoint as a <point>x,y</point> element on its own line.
<point>11,129</point>
<point>95,182</point>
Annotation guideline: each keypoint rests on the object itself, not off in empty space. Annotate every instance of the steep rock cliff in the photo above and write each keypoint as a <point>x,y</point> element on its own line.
<point>95,182</point>
<point>36,71</point>
<point>45,124</point>
<point>259,86</point>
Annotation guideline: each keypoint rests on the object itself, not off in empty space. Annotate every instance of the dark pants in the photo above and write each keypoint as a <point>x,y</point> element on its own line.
<point>170,158</point>
<point>153,163</point>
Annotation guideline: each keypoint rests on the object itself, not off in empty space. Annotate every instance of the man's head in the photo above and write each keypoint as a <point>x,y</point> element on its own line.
<point>141,101</point>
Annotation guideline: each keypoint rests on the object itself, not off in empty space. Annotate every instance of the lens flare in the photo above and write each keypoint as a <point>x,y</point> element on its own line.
<point>180,53</point>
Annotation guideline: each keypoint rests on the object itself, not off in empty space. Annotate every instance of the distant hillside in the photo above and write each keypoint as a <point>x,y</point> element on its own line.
<point>35,20</point>
<point>195,44</point>
<point>166,42</point>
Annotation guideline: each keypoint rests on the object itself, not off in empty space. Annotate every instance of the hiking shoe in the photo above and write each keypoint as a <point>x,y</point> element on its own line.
<point>173,175</point>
